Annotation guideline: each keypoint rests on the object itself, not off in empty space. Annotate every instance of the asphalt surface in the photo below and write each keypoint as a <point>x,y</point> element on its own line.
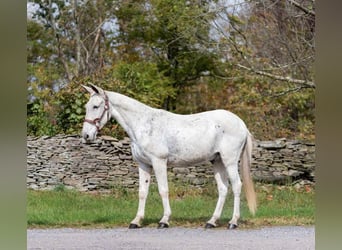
<point>274,238</point>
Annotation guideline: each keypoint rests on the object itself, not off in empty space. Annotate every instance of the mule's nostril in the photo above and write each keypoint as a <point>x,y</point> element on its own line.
<point>87,136</point>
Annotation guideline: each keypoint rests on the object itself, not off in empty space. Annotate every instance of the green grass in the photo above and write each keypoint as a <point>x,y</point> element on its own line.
<point>277,205</point>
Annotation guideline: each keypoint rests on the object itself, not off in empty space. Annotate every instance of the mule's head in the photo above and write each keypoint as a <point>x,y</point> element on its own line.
<point>97,112</point>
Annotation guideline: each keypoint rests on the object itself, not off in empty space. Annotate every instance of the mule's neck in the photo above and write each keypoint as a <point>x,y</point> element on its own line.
<point>127,111</point>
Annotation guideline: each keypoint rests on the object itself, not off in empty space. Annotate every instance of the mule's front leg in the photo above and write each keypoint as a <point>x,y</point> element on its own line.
<point>160,170</point>
<point>144,183</point>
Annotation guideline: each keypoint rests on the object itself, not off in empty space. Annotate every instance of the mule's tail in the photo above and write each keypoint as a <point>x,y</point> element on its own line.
<point>246,158</point>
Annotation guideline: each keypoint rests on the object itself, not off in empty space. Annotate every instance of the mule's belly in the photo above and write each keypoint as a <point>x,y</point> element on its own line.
<point>176,155</point>
<point>186,160</point>
<point>191,150</point>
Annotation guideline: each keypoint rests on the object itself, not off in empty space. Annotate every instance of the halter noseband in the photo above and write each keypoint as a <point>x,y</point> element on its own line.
<point>96,121</point>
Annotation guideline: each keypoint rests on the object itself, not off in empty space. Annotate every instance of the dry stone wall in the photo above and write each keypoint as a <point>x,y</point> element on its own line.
<point>107,163</point>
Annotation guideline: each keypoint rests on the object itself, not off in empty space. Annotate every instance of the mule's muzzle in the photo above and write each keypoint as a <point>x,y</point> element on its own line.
<point>85,138</point>
<point>88,137</point>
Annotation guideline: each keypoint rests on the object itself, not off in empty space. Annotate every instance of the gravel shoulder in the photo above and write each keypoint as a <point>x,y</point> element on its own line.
<point>285,237</point>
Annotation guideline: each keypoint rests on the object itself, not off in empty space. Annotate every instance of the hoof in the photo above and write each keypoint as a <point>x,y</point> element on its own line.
<point>162,225</point>
<point>232,226</point>
<point>133,226</point>
<point>209,225</point>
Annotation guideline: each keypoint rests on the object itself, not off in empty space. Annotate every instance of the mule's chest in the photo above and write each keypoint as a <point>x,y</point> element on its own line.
<point>139,154</point>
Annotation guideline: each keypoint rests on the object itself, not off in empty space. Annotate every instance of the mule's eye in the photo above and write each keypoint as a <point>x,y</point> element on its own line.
<point>95,107</point>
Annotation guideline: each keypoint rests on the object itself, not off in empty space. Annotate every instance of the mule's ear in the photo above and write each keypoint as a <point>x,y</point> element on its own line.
<point>90,90</point>
<point>96,89</point>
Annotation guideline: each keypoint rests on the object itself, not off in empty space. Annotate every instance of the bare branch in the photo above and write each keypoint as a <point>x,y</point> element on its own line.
<point>278,94</point>
<point>304,83</point>
<point>302,8</point>
<point>96,29</point>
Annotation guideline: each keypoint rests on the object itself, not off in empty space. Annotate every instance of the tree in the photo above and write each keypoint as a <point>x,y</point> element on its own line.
<point>171,33</point>
<point>76,36</point>
<point>273,40</point>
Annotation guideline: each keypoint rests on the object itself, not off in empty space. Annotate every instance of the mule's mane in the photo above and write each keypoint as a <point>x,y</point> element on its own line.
<point>126,103</point>
<point>128,112</point>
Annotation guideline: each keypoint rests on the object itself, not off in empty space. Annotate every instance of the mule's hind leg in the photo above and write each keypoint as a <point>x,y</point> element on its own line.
<point>235,181</point>
<point>221,178</point>
<point>144,183</point>
<point>160,170</point>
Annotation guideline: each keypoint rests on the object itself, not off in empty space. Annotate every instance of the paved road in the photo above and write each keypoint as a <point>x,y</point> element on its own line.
<point>274,238</point>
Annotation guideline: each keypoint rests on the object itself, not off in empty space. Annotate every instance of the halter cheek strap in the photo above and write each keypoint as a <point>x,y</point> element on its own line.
<point>96,121</point>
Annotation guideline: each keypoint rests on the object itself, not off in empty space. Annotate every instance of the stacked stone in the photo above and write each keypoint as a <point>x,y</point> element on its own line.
<point>107,163</point>
<point>284,162</point>
<point>65,160</point>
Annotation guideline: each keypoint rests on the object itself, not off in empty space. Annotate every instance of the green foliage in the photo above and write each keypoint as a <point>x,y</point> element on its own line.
<point>143,81</point>
<point>38,120</point>
<point>62,112</point>
<point>70,102</point>
<point>38,42</point>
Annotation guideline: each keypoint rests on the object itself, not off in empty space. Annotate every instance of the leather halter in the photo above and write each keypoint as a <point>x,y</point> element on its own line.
<point>96,121</point>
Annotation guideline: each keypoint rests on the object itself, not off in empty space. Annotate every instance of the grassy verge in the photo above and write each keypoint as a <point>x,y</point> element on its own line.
<point>277,205</point>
